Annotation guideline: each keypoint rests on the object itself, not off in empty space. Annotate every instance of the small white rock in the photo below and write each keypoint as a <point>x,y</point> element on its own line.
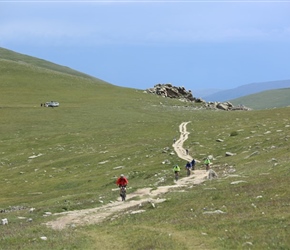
<point>5,221</point>
<point>31,210</point>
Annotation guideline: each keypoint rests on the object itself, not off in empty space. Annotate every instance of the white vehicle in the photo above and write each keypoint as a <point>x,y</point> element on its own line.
<point>52,104</point>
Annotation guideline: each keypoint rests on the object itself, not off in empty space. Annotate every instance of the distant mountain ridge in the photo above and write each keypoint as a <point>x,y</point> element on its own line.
<point>247,89</point>
<point>200,93</point>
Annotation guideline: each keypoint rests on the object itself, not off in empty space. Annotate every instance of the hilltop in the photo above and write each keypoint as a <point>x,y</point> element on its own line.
<point>67,159</point>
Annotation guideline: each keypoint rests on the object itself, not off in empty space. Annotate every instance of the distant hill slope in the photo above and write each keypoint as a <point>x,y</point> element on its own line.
<point>10,55</point>
<point>247,89</point>
<point>200,93</point>
<point>267,99</point>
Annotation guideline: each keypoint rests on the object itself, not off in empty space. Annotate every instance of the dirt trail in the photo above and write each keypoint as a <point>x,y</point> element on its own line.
<point>178,145</point>
<point>97,215</point>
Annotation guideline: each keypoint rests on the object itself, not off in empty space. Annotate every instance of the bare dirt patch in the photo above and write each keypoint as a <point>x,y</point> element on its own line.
<point>97,215</point>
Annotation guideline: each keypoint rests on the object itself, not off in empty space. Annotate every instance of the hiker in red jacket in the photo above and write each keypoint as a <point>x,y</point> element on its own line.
<point>122,181</point>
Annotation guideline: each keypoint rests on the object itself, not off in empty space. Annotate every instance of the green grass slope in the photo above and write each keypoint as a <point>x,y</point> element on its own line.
<point>265,100</point>
<point>30,61</point>
<point>100,131</point>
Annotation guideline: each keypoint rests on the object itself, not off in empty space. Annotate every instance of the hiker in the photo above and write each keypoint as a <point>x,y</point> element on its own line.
<point>122,181</point>
<point>207,163</point>
<point>188,165</point>
<point>193,164</point>
<point>188,168</point>
<point>176,170</point>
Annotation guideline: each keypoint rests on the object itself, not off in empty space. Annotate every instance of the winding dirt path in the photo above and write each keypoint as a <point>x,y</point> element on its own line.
<point>178,145</point>
<point>145,195</point>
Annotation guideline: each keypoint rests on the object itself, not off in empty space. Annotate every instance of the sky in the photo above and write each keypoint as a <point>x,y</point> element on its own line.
<point>138,44</point>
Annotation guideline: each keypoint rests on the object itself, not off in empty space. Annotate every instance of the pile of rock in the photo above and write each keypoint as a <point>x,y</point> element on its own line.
<point>224,106</point>
<point>170,91</point>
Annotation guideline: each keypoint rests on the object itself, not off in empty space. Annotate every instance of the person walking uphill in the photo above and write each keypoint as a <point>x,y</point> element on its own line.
<point>188,168</point>
<point>193,164</point>
<point>176,170</point>
<point>122,181</point>
<point>207,164</point>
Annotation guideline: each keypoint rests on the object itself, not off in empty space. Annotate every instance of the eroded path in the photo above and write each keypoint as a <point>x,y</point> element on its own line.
<point>178,145</point>
<point>97,215</point>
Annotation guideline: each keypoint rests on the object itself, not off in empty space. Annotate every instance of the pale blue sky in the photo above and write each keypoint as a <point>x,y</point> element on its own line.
<point>195,44</point>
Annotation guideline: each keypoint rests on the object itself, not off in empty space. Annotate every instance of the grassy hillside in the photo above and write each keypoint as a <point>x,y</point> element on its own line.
<point>30,61</point>
<point>266,100</point>
<point>100,131</point>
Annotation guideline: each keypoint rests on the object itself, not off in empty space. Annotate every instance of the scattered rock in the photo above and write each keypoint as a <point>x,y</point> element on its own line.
<point>119,167</point>
<point>138,211</point>
<point>152,204</point>
<point>229,154</point>
<point>212,174</point>
<point>210,157</point>
<point>254,153</point>
<point>248,243</point>
<point>224,106</point>
<point>34,156</point>
<point>4,221</point>
<point>12,208</point>
<point>237,182</point>
<point>273,159</point>
<point>166,162</point>
<point>165,150</point>
<point>264,173</point>
<point>103,162</point>
<point>214,212</point>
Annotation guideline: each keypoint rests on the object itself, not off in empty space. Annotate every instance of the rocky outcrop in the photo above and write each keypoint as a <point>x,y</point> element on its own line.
<point>180,93</point>
<point>170,91</point>
<point>227,106</point>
